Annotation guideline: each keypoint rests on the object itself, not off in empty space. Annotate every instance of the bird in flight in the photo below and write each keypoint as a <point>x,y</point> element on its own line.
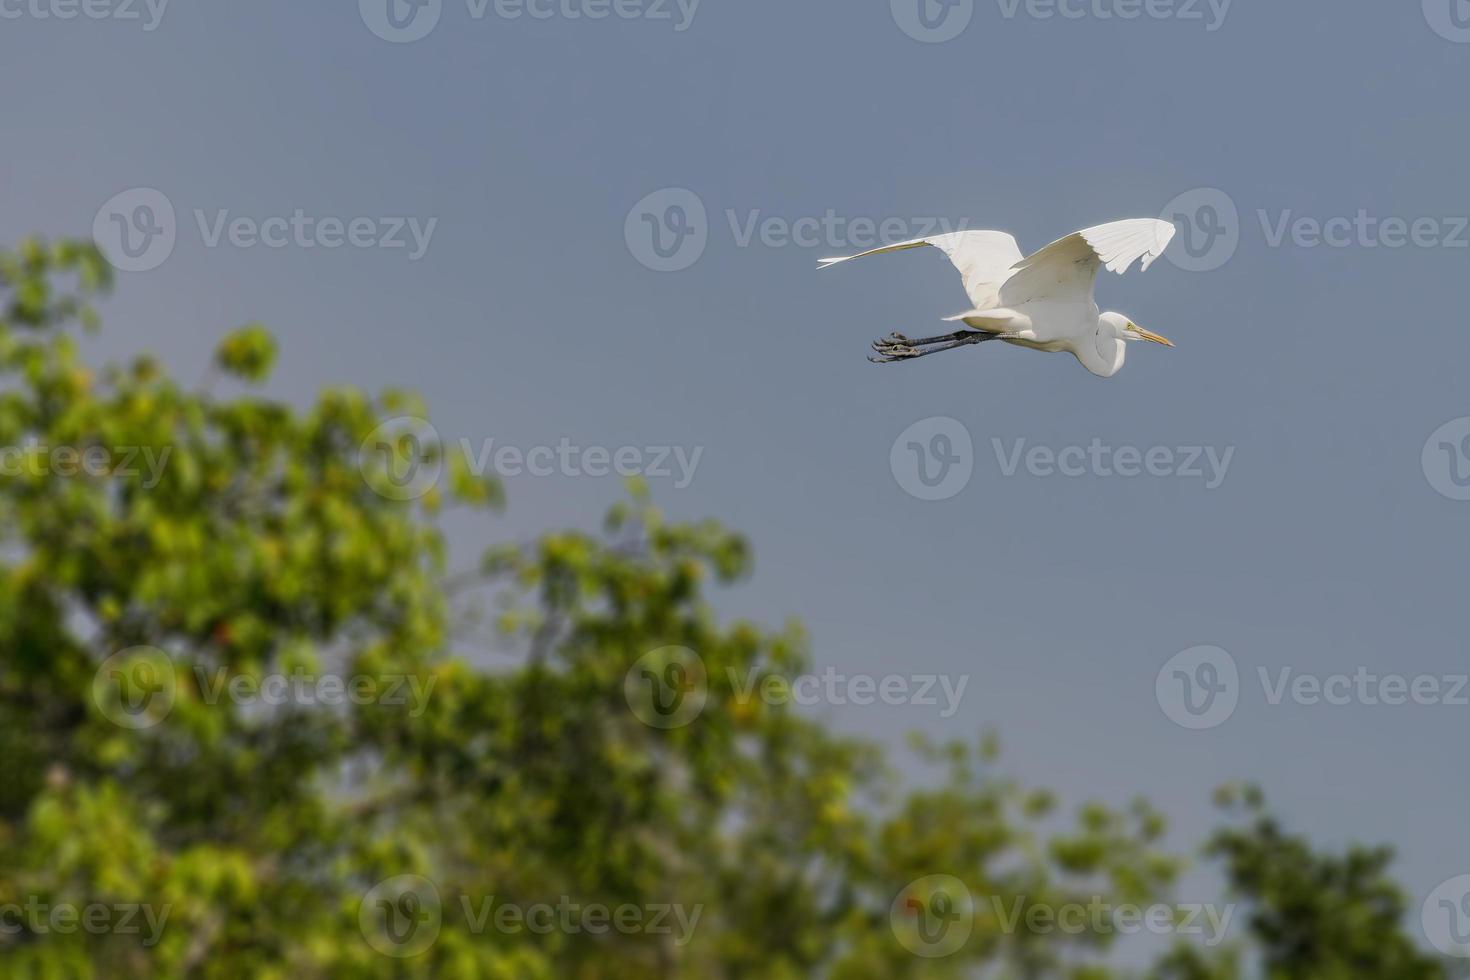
<point>1042,301</point>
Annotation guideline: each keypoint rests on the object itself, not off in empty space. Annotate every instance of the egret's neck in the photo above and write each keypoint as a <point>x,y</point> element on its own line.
<point>1105,354</point>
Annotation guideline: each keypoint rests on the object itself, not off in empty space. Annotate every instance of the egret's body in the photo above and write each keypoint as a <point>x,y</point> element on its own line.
<point>1043,301</point>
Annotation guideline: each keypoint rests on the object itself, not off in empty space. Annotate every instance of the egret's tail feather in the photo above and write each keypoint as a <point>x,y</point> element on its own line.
<point>997,320</point>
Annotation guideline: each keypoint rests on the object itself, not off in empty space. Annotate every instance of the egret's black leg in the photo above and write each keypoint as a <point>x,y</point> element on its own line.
<point>898,338</point>
<point>897,347</point>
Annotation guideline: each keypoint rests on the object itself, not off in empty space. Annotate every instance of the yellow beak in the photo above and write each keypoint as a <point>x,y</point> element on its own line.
<point>1150,335</point>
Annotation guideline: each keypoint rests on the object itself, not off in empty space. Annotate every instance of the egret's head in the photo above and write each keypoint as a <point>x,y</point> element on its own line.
<point>1122,328</point>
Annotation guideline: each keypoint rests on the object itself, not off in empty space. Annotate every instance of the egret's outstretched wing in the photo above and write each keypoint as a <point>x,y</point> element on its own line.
<point>1066,270</point>
<point>984,258</point>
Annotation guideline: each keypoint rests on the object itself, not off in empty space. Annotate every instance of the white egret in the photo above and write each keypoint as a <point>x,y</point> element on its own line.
<point>1042,301</point>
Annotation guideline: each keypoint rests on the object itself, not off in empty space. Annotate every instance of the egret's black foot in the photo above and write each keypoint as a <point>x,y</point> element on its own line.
<point>897,347</point>
<point>894,347</point>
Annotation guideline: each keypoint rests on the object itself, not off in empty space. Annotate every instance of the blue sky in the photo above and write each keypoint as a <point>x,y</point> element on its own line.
<point>1315,152</point>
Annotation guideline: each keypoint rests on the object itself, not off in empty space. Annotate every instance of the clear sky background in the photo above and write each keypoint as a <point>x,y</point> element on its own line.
<point>533,317</point>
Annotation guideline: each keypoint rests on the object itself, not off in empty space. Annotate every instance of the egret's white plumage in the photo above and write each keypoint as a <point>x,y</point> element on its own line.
<point>1044,300</point>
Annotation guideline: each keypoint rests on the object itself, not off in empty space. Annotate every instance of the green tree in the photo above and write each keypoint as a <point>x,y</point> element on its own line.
<point>170,554</point>
<point>1311,915</point>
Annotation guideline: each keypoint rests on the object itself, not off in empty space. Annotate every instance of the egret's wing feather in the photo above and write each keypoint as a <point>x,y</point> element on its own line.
<point>1067,269</point>
<point>983,258</point>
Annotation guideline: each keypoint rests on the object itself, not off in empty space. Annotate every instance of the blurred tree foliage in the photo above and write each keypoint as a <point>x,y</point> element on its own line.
<point>265,542</point>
